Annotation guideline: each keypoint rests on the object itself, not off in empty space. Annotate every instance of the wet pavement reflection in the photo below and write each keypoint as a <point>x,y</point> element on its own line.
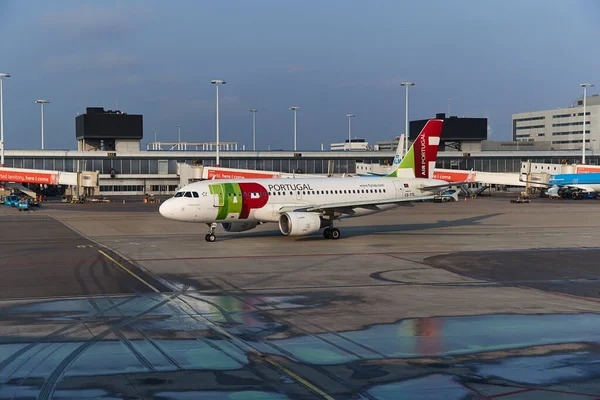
<point>186,345</point>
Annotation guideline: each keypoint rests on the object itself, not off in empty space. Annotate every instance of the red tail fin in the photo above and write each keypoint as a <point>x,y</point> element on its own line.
<point>422,155</point>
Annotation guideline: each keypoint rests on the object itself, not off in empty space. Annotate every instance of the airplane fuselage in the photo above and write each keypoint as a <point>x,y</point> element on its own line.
<point>560,185</point>
<point>263,200</point>
<point>591,179</point>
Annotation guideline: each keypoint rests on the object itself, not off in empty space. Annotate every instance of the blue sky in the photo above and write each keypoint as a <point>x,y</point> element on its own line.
<point>492,58</point>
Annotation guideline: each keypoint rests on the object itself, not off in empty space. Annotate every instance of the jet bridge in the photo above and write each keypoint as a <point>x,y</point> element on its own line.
<point>84,183</point>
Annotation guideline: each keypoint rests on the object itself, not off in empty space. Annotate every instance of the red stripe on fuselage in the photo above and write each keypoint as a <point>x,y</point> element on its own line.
<point>249,202</point>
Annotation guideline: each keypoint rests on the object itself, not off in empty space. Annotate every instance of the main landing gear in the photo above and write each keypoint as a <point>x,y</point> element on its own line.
<point>210,236</point>
<point>331,233</point>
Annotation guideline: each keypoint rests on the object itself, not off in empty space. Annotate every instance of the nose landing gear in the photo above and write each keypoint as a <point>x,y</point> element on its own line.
<point>210,236</point>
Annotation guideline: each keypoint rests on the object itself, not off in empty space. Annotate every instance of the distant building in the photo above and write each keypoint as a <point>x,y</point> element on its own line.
<point>387,145</point>
<point>355,144</point>
<point>562,128</point>
<point>458,133</point>
<point>107,130</point>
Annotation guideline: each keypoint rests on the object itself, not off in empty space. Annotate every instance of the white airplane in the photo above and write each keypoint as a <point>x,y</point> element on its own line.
<point>303,206</point>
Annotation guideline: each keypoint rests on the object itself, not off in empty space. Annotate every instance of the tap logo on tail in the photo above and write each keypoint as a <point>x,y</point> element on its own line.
<point>422,155</point>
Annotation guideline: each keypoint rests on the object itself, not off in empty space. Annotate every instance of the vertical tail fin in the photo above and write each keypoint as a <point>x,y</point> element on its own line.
<point>399,151</point>
<point>422,155</point>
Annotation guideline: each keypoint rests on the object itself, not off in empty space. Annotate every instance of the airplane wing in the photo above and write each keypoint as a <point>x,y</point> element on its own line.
<point>446,185</point>
<point>348,205</point>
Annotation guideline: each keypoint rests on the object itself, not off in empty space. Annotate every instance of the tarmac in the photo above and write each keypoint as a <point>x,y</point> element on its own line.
<point>476,299</point>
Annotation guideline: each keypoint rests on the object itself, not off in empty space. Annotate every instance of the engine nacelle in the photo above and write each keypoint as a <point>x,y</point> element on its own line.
<point>299,223</point>
<point>238,226</point>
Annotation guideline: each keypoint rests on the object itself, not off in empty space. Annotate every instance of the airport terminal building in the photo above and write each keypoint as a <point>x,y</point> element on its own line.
<point>135,173</point>
<point>126,170</point>
<point>561,128</point>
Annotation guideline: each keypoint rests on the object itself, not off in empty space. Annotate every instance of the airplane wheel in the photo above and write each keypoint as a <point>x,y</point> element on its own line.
<point>210,237</point>
<point>334,233</point>
<point>326,233</point>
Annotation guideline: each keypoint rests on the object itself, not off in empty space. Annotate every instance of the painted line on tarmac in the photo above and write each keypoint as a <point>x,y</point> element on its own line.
<point>299,379</point>
<point>300,255</point>
<point>382,253</point>
<point>129,271</point>
<point>264,357</point>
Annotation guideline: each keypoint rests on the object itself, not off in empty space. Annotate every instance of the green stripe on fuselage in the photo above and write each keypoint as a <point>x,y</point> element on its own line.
<point>232,199</point>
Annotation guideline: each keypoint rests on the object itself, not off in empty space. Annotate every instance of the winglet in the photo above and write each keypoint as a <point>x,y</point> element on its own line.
<point>422,155</point>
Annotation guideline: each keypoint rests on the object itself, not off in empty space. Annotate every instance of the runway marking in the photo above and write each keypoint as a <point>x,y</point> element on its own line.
<point>129,271</point>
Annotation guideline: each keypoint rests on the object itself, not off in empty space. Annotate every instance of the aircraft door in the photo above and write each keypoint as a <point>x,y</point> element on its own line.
<point>399,189</point>
<point>218,192</point>
<point>298,195</point>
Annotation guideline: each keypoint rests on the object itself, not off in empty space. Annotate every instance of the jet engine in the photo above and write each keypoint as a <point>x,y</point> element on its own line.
<point>238,226</point>
<point>299,223</point>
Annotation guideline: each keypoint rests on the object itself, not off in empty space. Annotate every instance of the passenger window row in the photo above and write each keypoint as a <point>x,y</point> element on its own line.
<point>304,192</point>
<point>320,192</point>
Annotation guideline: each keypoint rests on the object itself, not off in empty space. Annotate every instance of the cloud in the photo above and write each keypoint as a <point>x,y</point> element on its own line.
<point>96,21</point>
<point>107,60</point>
<point>293,68</point>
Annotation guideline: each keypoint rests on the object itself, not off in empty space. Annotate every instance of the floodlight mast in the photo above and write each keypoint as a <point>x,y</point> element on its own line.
<point>218,82</point>
<point>41,103</point>
<point>584,86</point>
<point>2,76</point>
<point>294,109</point>
<point>350,116</point>
<point>406,127</point>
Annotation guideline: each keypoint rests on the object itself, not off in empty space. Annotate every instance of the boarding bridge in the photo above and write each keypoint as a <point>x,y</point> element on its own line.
<point>192,173</point>
<point>555,169</point>
<point>81,183</point>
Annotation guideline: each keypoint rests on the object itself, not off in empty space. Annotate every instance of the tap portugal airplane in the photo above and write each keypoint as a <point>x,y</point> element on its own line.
<point>303,206</point>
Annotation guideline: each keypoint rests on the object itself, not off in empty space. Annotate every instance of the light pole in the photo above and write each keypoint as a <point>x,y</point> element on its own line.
<point>178,137</point>
<point>406,84</point>
<point>350,116</point>
<point>216,82</point>
<point>2,76</point>
<point>294,108</point>
<point>41,103</point>
<point>254,111</point>
<point>584,86</point>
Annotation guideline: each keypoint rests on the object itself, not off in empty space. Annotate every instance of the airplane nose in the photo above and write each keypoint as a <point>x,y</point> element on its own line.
<point>166,209</point>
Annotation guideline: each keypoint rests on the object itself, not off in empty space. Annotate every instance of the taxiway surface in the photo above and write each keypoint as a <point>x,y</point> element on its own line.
<point>475,299</point>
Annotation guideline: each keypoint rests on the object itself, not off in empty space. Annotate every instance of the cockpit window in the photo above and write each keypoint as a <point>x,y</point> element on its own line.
<point>179,194</point>
<point>195,194</point>
<point>188,194</point>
